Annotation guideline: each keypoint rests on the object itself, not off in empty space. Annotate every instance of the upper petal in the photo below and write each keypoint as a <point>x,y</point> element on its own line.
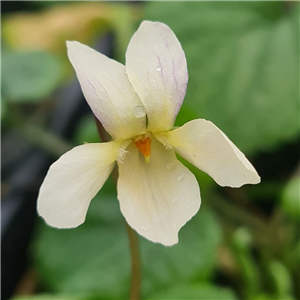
<point>108,92</point>
<point>72,181</point>
<point>156,67</point>
<point>208,148</point>
<point>159,197</point>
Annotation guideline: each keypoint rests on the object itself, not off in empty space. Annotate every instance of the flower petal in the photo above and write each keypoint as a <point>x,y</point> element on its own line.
<point>209,149</point>
<point>156,67</point>
<point>72,181</point>
<point>108,92</point>
<point>159,197</point>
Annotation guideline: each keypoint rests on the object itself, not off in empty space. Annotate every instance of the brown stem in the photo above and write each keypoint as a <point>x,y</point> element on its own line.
<point>135,289</point>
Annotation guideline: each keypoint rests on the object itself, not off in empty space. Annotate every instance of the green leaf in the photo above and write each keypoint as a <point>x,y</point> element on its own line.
<point>281,279</point>
<point>290,199</point>
<point>57,297</point>
<point>197,292</point>
<point>272,297</point>
<point>3,108</point>
<point>94,258</point>
<point>49,297</point>
<point>243,62</point>
<point>193,258</point>
<point>249,272</point>
<point>29,76</point>
<point>90,259</point>
<point>87,131</point>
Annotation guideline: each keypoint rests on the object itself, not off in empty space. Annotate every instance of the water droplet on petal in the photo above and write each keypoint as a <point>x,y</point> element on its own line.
<point>175,199</point>
<point>158,68</point>
<point>139,112</point>
<point>153,80</point>
<point>125,73</point>
<point>170,166</point>
<point>180,178</point>
<point>218,171</point>
<point>143,228</point>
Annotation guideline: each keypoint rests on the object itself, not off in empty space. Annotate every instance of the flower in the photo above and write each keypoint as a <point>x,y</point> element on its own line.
<point>137,105</point>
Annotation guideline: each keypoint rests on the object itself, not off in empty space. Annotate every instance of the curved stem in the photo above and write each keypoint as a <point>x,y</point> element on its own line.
<point>135,289</point>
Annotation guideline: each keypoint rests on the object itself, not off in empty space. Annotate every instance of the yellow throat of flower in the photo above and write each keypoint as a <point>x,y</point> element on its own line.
<point>144,145</point>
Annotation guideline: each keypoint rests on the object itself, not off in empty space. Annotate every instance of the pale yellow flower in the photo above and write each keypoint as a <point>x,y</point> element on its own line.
<point>137,105</point>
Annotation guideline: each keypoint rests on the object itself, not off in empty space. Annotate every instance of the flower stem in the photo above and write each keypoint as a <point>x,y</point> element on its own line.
<point>135,289</point>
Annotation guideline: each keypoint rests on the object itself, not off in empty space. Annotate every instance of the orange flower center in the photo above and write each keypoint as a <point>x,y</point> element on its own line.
<point>144,145</point>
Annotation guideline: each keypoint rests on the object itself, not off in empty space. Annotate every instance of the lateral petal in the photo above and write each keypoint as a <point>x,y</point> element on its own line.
<point>73,181</point>
<point>157,68</point>
<point>209,149</point>
<point>108,91</point>
<point>159,197</point>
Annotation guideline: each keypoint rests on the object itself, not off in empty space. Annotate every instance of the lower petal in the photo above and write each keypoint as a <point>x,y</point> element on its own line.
<point>73,181</point>
<point>209,149</point>
<point>159,197</point>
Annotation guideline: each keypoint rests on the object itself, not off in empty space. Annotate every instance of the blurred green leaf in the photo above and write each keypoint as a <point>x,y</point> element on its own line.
<point>86,131</point>
<point>3,107</point>
<point>197,292</point>
<point>193,258</point>
<point>250,275</point>
<point>29,76</point>
<point>94,258</point>
<point>271,297</point>
<point>290,199</point>
<point>243,62</point>
<point>57,297</point>
<point>49,297</point>
<point>91,259</point>
<point>281,279</point>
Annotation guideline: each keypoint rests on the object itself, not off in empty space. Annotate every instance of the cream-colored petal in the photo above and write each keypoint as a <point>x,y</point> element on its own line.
<point>209,149</point>
<point>108,91</point>
<point>73,181</point>
<point>157,68</point>
<point>159,197</point>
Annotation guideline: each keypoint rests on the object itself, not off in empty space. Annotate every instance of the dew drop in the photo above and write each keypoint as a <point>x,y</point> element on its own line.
<point>180,178</point>
<point>218,171</point>
<point>170,166</point>
<point>175,199</point>
<point>153,80</point>
<point>143,228</point>
<point>139,112</point>
<point>158,69</point>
